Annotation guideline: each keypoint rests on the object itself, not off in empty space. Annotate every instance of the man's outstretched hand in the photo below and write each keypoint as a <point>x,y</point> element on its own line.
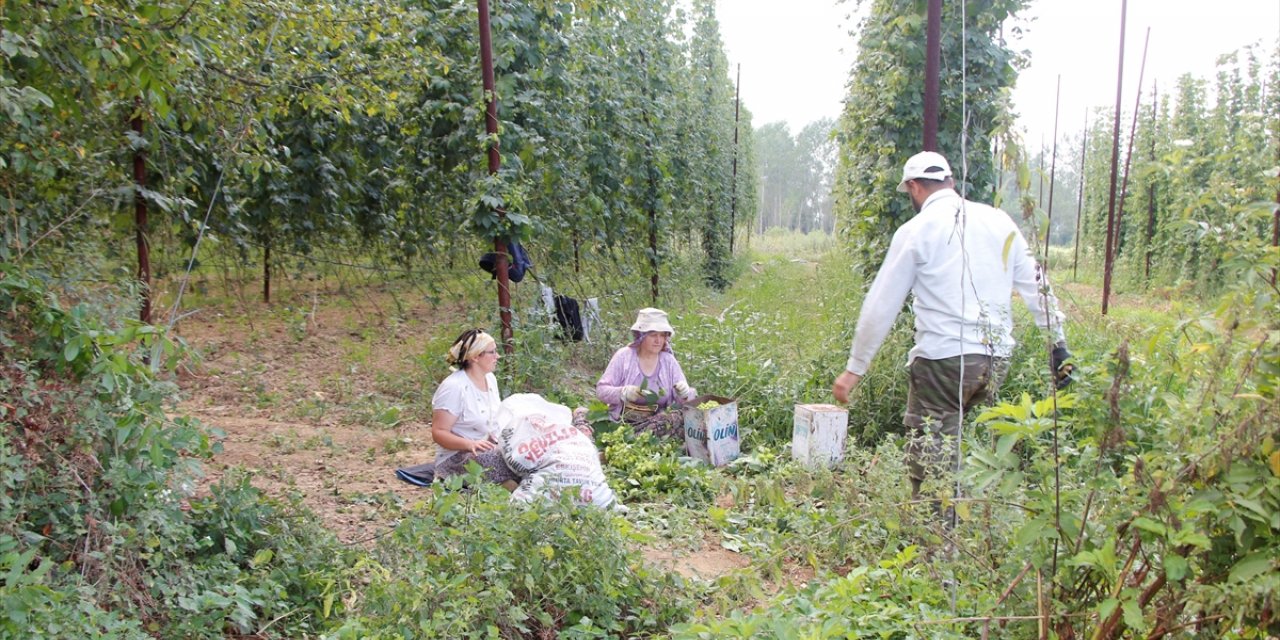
<point>845,383</point>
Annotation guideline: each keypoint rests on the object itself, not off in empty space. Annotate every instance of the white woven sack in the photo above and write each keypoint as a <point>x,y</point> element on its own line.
<point>540,442</point>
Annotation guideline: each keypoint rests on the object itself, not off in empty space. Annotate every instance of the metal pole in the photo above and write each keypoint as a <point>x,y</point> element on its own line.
<point>1053,166</point>
<point>1275,216</point>
<point>998,161</point>
<point>140,215</point>
<point>651,172</point>
<point>1115,160</point>
<point>1084,150</point>
<point>495,163</point>
<point>932,66</point>
<point>1151,187</point>
<point>1040,175</point>
<point>1133,133</point>
<point>733,201</point>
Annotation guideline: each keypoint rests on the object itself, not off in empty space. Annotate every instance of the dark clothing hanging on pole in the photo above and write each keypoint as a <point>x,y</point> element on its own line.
<point>517,265</point>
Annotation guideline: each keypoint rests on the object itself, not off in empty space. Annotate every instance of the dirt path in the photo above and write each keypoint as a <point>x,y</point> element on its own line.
<point>322,405</point>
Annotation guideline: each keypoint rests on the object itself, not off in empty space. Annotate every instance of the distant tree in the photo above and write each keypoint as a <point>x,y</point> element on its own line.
<point>816,151</point>
<point>777,175</point>
<point>796,175</point>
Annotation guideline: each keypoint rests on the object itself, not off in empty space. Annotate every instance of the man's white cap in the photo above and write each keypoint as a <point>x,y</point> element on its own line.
<point>926,164</point>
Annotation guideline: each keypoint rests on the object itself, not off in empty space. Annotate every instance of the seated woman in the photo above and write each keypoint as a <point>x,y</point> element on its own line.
<point>643,379</point>
<point>464,411</point>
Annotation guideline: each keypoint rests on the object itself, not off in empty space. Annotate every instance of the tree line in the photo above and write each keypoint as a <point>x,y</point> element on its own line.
<point>796,175</point>
<point>357,128</point>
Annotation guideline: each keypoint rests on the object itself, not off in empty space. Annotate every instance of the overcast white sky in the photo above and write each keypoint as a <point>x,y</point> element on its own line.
<point>796,54</point>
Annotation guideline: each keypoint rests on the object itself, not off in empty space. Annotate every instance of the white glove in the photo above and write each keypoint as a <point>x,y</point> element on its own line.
<point>631,393</point>
<point>685,391</point>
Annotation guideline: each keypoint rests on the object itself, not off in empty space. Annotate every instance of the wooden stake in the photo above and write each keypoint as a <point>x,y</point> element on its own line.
<point>733,201</point>
<point>1133,133</point>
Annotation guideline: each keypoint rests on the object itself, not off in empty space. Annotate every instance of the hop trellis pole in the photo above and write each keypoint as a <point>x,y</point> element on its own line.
<point>1109,256</point>
<point>495,163</point>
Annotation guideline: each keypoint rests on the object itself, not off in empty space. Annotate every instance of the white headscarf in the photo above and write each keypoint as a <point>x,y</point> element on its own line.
<point>469,347</point>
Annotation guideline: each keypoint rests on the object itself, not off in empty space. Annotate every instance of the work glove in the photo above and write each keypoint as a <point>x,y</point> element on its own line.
<point>632,393</point>
<point>1061,368</point>
<point>685,391</point>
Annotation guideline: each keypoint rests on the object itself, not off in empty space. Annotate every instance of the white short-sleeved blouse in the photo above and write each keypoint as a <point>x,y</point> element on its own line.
<point>476,410</point>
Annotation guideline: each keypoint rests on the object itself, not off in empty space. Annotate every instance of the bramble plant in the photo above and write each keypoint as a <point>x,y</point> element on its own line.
<point>102,536</point>
<point>472,565</point>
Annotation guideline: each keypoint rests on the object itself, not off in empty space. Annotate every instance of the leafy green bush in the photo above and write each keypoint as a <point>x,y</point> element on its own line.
<point>643,468</point>
<point>472,565</point>
<point>1161,507</point>
<point>99,531</point>
<point>894,598</point>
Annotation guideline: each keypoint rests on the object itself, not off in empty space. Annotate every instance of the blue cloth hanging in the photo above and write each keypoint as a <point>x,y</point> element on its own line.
<point>519,262</point>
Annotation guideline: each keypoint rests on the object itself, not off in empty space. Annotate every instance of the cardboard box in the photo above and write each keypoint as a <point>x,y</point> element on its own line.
<point>711,434</point>
<point>819,433</point>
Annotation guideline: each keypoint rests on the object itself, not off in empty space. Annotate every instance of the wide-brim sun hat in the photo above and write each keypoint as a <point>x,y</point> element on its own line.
<point>650,319</point>
<point>929,165</point>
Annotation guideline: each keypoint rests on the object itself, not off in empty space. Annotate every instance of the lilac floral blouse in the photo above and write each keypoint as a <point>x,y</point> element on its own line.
<point>624,369</point>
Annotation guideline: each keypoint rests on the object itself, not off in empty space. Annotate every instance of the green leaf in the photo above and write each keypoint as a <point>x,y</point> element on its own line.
<point>1005,444</point>
<point>1249,567</point>
<point>1133,614</point>
<point>1254,506</point>
<point>1107,607</point>
<point>72,349</point>
<point>263,556</point>
<point>1175,567</point>
<point>1147,524</point>
<point>1191,537</point>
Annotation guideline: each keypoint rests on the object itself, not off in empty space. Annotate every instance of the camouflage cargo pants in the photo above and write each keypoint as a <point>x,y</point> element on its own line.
<point>937,401</point>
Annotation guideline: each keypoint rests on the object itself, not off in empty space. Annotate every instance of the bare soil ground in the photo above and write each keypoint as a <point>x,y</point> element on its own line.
<point>318,405</point>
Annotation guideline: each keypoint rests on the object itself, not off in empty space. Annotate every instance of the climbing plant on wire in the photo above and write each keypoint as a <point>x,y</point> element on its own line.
<point>881,124</point>
<point>710,122</point>
<point>1202,180</point>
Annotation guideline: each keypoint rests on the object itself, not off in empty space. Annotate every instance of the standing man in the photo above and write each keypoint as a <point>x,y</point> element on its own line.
<point>962,261</point>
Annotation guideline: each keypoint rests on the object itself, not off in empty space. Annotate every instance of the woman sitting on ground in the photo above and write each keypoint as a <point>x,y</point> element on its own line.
<point>464,411</point>
<point>643,380</point>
